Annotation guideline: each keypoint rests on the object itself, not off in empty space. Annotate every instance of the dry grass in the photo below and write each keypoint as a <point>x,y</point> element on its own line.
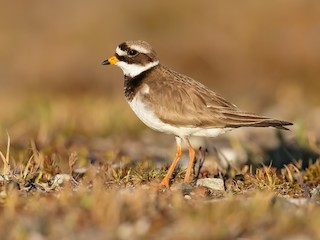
<point>53,190</point>
<point>96,207</point>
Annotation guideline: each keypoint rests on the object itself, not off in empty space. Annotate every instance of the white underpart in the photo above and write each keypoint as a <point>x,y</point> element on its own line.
<point>133,70</point>
<point>148,117</point>
<point>120,52</point>
<point>139,49</point>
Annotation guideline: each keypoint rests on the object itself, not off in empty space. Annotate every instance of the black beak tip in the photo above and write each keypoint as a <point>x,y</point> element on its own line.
<point>105,62</point>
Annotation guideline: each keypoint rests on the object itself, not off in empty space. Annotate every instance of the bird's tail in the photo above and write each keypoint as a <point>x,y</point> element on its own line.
<point>243,119</point>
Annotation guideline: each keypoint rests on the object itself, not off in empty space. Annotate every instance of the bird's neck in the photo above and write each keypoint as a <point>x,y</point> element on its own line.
<point>133,84</point>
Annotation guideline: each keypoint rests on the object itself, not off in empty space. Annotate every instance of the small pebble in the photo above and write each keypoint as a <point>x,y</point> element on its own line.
<point>315,193</point>
<point>188,197</point>
<point>212,183</point>
<point>60,178</point>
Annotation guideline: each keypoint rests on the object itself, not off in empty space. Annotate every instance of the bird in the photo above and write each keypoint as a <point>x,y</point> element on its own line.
<point>176,104</point>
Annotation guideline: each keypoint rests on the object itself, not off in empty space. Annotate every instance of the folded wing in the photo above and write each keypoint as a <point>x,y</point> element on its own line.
<point>189,103</point>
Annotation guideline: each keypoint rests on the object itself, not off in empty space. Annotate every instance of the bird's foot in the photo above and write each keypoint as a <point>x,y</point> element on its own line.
<point>164,185</point>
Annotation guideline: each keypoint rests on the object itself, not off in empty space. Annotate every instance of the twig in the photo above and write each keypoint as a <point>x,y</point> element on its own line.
<point>5,159</point>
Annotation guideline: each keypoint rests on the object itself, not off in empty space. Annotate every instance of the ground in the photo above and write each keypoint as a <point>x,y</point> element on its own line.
<point>74,178</point>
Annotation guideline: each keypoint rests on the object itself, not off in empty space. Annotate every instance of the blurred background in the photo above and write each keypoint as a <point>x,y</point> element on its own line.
<point>263,56</point>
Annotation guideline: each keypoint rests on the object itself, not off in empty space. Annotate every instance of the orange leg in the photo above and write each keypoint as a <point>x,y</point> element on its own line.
<point>165,181</point>
<point>190,164</point>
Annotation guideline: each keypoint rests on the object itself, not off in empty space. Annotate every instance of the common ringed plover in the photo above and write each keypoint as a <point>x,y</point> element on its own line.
<point>170,102</point>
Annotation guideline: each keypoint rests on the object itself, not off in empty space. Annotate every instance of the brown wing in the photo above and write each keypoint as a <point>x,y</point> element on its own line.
<point>182,101</point>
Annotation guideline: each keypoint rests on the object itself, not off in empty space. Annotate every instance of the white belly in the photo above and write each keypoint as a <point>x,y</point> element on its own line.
<point>149,118</point>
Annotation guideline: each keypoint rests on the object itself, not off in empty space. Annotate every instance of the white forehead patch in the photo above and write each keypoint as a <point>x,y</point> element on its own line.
<point>120,52</point>
<point>139,49</point>
<point>133,70</point>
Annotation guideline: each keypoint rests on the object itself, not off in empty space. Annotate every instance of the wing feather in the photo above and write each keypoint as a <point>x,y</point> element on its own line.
<point>182,101</point>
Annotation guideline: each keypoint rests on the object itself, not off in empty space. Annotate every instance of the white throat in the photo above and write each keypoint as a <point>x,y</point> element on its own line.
<point>132,70</point>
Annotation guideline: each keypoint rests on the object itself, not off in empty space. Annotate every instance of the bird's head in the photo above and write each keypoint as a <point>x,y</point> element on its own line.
<point>134,57</point>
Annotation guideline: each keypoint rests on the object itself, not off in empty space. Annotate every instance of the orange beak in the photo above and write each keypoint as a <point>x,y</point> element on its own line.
<point>112,60</point>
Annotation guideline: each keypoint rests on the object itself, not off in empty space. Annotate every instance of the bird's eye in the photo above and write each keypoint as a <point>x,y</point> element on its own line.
<point>132,52</point>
